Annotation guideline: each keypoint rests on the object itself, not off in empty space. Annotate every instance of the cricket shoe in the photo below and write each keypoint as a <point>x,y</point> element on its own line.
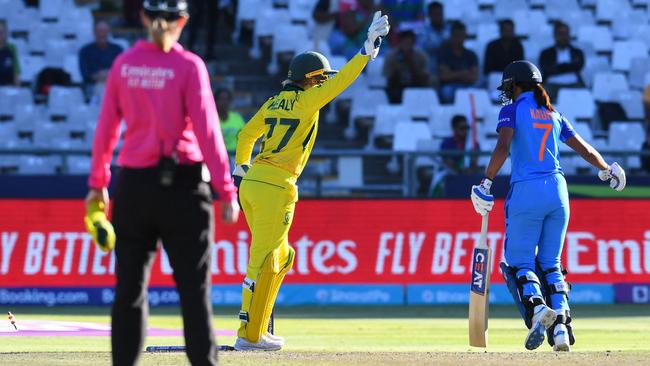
<point>274,338</point>
<point>264,344</point>
<point>561,339</point>
<point>543,319</point>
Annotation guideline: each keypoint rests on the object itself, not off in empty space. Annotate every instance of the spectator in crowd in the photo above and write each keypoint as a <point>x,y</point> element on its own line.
<point>96,58</point>
<point>354,18</point>
<point>458,142</point>
<point>325,15</point>
<point>503,50</point>
<point>231,121</point>
<point>561,64</point>
<point>405,66</point>
<point>9,66</point>
<point>645,159</point>
<point>435,32</point>
<point>457,65</point>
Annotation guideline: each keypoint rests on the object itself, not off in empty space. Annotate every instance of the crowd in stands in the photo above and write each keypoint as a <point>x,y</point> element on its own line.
<point>427,48</point>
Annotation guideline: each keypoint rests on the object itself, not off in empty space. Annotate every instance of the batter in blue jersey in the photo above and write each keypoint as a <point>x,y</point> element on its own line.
<point>537,208</point>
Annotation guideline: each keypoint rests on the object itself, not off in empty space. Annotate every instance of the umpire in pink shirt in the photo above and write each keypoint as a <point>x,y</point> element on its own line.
<point>163,95</point>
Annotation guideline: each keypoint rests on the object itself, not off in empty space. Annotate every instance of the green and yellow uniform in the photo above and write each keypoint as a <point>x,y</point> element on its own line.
<point>287,124</point>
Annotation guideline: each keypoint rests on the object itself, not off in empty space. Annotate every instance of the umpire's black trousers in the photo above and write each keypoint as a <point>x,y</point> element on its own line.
<point>182,217</point>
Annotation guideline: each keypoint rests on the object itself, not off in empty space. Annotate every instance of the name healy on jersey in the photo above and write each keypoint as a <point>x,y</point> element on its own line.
<point>145,77</point>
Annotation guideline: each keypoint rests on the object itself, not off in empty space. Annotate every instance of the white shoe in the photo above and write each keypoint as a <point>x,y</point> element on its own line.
<point>264,344</point>
<point>561,339</point>
<point>542,320</point>
<point>274,338</point>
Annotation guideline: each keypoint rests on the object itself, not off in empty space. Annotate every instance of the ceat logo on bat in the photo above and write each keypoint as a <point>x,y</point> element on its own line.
<point>479,270</point>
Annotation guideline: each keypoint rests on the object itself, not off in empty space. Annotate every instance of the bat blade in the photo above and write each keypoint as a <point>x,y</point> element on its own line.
<point>479,293</point>
<point>479,298</point>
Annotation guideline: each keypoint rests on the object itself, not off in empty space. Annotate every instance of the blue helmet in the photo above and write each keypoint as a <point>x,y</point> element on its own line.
<point>518,72</point>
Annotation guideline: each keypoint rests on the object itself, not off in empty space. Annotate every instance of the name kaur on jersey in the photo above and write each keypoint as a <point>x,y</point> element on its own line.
<point>286,104</point>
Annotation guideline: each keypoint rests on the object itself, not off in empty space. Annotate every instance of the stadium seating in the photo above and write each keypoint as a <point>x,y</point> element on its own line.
<point>407,135</point>
<point>607,84</point>
<point>577,103</point>
<point>625,51</point>
<point>419,101</point>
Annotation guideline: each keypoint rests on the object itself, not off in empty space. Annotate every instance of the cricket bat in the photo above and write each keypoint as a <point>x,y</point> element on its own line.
<point>479,293</point>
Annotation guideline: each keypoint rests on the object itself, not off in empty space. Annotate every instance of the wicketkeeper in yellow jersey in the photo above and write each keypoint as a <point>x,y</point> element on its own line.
<point>287,124</point>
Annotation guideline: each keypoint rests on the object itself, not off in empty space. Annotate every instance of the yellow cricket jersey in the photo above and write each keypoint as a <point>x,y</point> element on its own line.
<point>288,124</point>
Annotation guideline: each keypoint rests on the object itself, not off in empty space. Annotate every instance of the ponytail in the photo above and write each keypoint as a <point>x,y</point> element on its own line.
<point>542,98</point>
<point>540,94</point>
<point>160,34</point>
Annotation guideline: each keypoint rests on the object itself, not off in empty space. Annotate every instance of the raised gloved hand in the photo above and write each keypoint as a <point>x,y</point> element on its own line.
<point>481,197</point>
<point>615,175</point>
<point>378,28</point>
<point>98,226</point>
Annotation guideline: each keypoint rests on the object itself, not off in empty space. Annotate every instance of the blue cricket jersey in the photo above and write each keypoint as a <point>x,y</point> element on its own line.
<point>534,151</point>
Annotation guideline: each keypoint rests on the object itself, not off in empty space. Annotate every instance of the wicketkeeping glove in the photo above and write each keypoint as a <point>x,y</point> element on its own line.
<point>238,176</point>
<point>615,175</point>
<point>481,198</point>
<point>99,227</point>
<point>378,28</point>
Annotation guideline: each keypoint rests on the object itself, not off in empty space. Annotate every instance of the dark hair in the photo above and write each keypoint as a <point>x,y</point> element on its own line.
<point>458,25</point>
<point>434,4</point>
<point>540,94</point>
<point>509,22</point>
<point>559,25</point>
<point>457,119</point>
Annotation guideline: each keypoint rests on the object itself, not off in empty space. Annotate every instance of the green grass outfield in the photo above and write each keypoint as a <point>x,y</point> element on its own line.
<point>607,335</point>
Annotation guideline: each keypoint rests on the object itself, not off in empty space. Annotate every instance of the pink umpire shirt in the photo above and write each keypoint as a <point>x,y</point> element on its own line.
<point>166,102</point>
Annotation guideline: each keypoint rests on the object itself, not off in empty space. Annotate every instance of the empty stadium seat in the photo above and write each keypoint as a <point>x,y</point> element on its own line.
<point>62,99</point>
<point>606,10</point>
<point>282,43</point>
<point>419,101</point>
<point>386,118</point>
<point>30,66</point>
<point>599,36</point>
<point>631,101</point>
<point>528,21</point>
<point>51,9</point>
<point>39,165</point>
<point>625,26</point>
<point>555,9</point>
<point>503,9</point>
<point>8,135</point>
<point>627,136</point>
<point>78,165</point>
<point>639,67</point>
<point>481,101</point>
<point>594,65</point>
<point>407,135</point>
<point>607,84</point>
<point>365,104</point>
<point>301,10</point>
<point>625,51</point>
<point>578,103</point>
<point>11,98</point>
<point>494,81</point>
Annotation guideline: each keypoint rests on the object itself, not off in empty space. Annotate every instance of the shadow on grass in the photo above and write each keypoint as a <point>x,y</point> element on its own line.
<point>346,312</point>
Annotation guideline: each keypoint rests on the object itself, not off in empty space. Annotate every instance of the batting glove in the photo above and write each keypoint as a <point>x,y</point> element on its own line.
<point>481,198</point>
<point>98,226</point>
<point>615,175</point>
<point>379,28</point>
<point>238,176</point>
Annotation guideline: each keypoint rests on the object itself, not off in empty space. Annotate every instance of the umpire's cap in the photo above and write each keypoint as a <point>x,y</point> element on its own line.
<point>309,64</point>
<point>167,9</point>
<point>519,72</point>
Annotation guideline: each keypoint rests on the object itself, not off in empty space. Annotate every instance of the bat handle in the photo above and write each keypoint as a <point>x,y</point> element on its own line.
<point>484,229</point>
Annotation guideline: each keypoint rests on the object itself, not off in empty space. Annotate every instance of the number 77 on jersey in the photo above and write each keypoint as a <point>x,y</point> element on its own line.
<point>479,293</point>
